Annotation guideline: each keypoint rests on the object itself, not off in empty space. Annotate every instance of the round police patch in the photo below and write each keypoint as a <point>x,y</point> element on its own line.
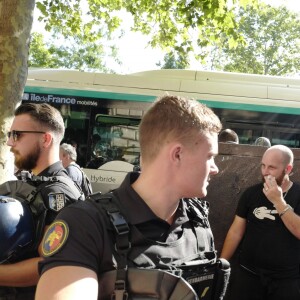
<point>55,237</point>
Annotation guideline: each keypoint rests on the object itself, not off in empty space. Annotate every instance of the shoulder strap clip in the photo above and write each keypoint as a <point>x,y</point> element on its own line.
<point>120,292</point>
<point>122,230</point>
<point>120,225</point>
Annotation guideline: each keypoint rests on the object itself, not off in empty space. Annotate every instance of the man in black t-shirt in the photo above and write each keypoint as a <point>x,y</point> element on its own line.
<point>267,224</point>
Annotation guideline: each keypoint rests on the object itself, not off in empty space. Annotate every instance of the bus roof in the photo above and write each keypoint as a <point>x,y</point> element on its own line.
<point>218,89</point>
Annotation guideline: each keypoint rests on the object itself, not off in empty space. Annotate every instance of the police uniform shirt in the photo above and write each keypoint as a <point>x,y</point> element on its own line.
<point>56,195</point>
<point>88,244</point>
<point>267,243</point>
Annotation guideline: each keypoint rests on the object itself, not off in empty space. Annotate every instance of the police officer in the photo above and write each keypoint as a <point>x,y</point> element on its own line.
<point>34,138</point>
<point>178,140</point>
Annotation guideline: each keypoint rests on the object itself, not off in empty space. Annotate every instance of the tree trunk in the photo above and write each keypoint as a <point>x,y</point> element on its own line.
<point>16,17</point>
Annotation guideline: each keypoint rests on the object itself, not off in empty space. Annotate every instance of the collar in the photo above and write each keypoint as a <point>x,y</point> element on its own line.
<point>136,210</point>
<point>54,169</point>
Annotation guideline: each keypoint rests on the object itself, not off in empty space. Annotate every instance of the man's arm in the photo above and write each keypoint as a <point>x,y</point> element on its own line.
<point>234,237</point>
<point>290,219</point>
<point>20,274</point>
<point>274,194</point>
<point>68,283</point>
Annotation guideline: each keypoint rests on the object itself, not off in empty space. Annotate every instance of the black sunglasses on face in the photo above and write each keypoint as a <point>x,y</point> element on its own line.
<point>15,134</point>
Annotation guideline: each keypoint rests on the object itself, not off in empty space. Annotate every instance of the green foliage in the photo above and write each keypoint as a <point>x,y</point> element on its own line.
<point>172,24</point>
<point>71,18</point>
<point>172,61</point>
<point>39,55</point>
<point>271,43</point>
<point>74,53</point>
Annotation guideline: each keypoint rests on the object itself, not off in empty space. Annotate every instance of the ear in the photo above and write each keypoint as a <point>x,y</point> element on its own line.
<point>47,139</point>
<point>288,169</point>
<point>176,153</point>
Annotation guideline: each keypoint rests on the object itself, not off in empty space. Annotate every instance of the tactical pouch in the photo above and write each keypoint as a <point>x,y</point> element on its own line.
<point>222,275</point>
<point>208,280</point>
<point>144,284</point>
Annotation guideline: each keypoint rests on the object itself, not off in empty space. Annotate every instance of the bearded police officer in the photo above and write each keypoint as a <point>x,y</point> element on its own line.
<point>34,138</point>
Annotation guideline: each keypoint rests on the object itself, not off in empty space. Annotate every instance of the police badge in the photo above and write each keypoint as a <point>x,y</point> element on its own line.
<point>56,201</point>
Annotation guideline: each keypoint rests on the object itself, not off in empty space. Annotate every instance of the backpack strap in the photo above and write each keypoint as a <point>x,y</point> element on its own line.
<point>42,181</point>
<point>110,204</point>
<point>86,185</point>
<point>77,166</point>
<point>37,205</point>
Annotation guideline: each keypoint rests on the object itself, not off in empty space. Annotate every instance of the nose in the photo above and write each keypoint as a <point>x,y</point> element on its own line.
<point>214,169</point>
<point>10,141</point>
<point>264,171</point>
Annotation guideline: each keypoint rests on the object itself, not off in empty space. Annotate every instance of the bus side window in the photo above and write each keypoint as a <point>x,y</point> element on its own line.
<point>114,138</point>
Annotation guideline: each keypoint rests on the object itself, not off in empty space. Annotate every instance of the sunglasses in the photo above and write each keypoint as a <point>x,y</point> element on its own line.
<point>16,134</point>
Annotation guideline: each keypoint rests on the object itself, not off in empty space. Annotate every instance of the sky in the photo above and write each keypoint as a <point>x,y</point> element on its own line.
<point>137,56</point>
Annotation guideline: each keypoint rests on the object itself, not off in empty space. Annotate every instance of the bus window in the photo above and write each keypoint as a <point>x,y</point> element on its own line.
<point>114,138</point>
<point>290,139</point>
<point>76,123</point>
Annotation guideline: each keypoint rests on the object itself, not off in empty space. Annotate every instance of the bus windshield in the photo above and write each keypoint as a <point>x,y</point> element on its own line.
<point>114,138</point>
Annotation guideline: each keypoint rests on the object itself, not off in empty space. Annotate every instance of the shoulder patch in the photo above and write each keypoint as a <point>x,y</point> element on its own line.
<point>54,238</point>
<point>56,201</point>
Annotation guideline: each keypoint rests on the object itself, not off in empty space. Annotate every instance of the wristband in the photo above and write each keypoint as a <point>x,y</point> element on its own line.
<point>288,207</point>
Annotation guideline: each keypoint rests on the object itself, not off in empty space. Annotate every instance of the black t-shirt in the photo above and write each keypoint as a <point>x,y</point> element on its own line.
<point>267,243</point>
<point>89,243</point>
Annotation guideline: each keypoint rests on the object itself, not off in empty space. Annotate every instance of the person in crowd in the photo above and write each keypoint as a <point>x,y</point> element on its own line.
<point>79,149</point>
<point>228,136</point>
<point>262,141</point>
<point>34,139</point>
<point>68,157</point>
<point>267,228</point>
<point>178,141</point>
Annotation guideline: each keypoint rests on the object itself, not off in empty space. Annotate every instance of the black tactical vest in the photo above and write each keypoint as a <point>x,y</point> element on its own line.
<point>147,269</point>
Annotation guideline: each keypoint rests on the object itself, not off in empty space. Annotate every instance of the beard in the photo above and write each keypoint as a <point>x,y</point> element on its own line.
<point>27,162</point>
<point>279,179</point>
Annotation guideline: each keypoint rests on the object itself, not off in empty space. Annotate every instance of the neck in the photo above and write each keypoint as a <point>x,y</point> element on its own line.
<point>47,157</point>
<point>287,185</point>
<point>160,200</point>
